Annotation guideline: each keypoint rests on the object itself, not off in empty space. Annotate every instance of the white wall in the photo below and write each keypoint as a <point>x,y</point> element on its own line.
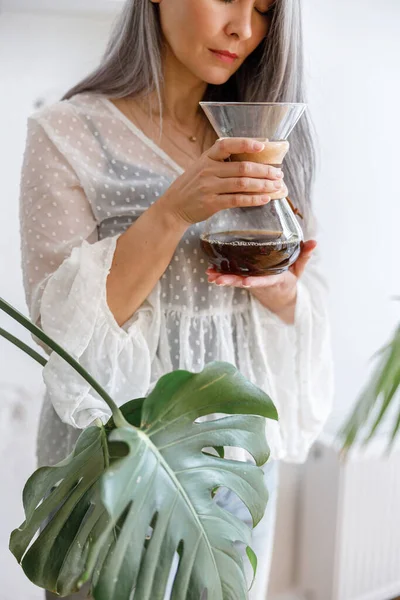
<point>352,50</point>
<point>353,68</point>
<point>352,47</point>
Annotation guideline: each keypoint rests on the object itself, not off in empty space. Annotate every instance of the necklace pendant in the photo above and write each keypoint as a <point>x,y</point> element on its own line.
<point>193,138</point>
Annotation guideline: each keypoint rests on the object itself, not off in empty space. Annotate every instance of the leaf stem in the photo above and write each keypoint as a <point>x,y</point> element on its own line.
<point>119,419</point>
<point>27,349</point>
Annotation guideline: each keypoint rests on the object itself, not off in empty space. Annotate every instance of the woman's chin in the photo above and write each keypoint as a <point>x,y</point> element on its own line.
<point>214,77</point>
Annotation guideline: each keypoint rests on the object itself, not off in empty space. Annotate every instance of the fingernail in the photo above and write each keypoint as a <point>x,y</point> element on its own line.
<point>278,184</point>
<point>258,146</point>
<point>279,173</point>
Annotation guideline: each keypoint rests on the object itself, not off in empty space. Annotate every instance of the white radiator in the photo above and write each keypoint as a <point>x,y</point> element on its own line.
<point>349,542</point>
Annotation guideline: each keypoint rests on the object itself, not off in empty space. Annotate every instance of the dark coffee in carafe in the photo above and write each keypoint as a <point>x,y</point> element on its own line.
<point>248,253</point>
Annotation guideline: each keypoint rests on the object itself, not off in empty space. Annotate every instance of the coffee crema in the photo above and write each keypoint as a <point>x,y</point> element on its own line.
<point>250,253</point>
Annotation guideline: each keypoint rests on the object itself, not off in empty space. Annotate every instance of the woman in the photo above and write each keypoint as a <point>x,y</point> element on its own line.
<point>118,179</point>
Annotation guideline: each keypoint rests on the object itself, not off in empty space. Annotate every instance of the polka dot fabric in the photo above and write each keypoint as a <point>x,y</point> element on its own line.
<point>88,173</point>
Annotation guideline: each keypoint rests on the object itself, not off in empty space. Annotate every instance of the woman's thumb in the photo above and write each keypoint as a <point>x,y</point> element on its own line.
<point>305,255</point>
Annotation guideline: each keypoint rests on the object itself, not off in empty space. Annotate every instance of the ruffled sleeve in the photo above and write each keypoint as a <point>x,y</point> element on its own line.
<point>296,367</point>
<point>65,269</point>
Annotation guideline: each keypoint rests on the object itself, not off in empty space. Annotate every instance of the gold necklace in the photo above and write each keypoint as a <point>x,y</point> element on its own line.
<point>182,149</point>
<point>192,138</point>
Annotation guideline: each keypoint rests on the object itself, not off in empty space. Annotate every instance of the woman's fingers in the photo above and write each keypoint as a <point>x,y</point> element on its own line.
<point>212,275</point>
<point>242,200</point>
<point>225,147</point>
<point>229,280</point>
<point>249,169</point>
<point>243,282</point>
<point>263,281</point>
<point>282,192</point>
<point>218,279</point>
<point>246,185</point>
<point>306,252</point>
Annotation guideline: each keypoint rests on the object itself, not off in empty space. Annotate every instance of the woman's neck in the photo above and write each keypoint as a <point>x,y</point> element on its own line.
<point>181,93</point>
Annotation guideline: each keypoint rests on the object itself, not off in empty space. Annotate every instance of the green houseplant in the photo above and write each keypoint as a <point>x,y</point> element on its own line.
<point>379,399</point>
<point>138,490</point>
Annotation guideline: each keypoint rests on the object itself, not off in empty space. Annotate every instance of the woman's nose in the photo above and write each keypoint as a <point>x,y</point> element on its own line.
<point>240,23</point>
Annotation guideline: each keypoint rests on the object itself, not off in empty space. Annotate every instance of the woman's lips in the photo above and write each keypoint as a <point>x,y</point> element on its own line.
<point>225,56</point>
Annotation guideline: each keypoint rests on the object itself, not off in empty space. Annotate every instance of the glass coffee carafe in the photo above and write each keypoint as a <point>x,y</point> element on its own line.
<point>264,239</point>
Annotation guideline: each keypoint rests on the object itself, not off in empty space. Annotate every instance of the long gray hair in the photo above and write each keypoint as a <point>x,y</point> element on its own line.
<point>132,66</point>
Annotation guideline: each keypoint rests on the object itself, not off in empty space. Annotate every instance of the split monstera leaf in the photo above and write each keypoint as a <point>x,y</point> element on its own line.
<point>139,491</point>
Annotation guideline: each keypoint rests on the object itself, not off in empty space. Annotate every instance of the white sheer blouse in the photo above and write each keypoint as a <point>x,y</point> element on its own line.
<point>88,173</point>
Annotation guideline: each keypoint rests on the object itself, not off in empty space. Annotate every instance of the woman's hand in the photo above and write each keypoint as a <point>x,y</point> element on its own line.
<point>278,293</point>
<point>211,184</point>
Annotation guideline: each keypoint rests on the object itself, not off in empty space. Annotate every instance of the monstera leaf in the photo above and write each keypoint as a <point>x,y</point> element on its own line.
<point>139,492</point>
<point>63,496</point>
